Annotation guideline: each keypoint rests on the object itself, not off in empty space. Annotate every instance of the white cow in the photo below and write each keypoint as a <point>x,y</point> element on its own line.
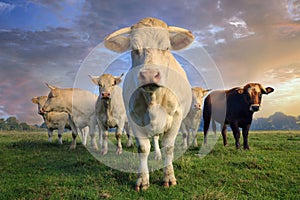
<point>191,123</point>
<point>53,120</point>
<point>80,106</point>
<point>110,109</point>
<point>156,90</point>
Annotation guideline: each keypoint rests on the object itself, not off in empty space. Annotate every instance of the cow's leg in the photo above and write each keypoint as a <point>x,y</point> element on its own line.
<point>118,137</point>
<point>144,150</point>
<point>129,134</point>
<point>206,118</point>
<point>100,133</point>
<point>84,132</point>
<point>50,134</point>
<point>168,142</point>
<point>194,132</point>
<point>184,131</point>
<point>236,133</point>
<point>104,141</point>
<point>214,127</point>
<point>92,134</point>
<point>74,133</point>
<point>59,133</point>
<point>188,139</point>
<point>224,135</point>
<point>245,136</point>
<point>156,148</point>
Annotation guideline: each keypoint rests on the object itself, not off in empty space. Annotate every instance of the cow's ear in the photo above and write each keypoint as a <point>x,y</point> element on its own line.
<point>117,41</point>
<point>51,87</point>
<point>240,90</point>
<point>95,79</point>
<point>206,91</point>
<point>268,90</point>
<point>181,39</point>
<point>118,79</point>
<point>34,100</point>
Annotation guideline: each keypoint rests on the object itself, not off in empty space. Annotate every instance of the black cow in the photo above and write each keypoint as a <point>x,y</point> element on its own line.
<point>234,107</point>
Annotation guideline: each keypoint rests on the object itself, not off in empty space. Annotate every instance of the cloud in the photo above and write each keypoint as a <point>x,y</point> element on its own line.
<point>6,7</point>
<point>239,27</point>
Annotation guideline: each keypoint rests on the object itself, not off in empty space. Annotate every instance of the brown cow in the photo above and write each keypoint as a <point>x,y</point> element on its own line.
<point>234,107</point>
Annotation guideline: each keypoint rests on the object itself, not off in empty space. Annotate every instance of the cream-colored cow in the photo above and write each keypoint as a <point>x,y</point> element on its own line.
<point>56,121</point>
<point>80,106</point>
<point>110,110</point>
<point>191,123</point>
<point>156,90</point>
<point>53,120</point>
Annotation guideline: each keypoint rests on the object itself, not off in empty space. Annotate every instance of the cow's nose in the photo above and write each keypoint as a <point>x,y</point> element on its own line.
<point>149,76</point>
<point>105,94</point>
<point>197,106</point>
<point>255,108</point>
<point>42,111</point>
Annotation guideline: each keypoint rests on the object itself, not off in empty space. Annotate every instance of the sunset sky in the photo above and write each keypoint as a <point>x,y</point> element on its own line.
<point>47,41</point>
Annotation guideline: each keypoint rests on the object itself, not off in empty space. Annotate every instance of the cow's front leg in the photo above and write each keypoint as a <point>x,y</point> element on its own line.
<point>168,142</point>
<point>236,133</point>
<point>92,134</point>
<point>119,143</point>
<point>156,148</point>
<point>129,134</point>
<point>143,150</point>
<point>194,132</point>
<point>50,134</point>
<point>245,136</point>
<point>59,133</point>
<point>224,135</point>
<point>184,131</point>
<point>104,142</point>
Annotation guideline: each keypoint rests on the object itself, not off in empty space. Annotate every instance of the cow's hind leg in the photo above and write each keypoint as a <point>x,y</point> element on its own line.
<point>143,150</point>
<point>129,134</point>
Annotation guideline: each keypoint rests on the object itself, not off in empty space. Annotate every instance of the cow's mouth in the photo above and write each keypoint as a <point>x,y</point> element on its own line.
<point>149,88</point>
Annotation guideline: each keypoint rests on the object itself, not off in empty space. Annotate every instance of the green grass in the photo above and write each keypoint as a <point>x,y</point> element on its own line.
<point>32,168</point>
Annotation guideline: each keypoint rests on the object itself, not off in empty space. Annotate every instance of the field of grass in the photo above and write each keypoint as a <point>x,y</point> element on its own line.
<point>32,168</point>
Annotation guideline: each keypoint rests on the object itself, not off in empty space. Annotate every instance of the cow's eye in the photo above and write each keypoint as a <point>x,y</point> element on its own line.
<point>100,85</point>
<point>259,95</point>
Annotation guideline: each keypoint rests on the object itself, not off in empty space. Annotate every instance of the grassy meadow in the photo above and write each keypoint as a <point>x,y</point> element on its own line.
<point>33,168</point>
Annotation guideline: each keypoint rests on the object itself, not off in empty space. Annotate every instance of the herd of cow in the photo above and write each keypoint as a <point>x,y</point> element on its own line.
<point>156,100</point>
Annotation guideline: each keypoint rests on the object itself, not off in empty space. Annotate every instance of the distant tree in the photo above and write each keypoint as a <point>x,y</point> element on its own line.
<point>13,123</point>
<point>23,126</point>
<point>3,124</point>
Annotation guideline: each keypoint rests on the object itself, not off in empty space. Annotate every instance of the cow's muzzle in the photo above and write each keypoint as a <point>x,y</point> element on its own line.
<point>148,76</point>
<point>254,107</point>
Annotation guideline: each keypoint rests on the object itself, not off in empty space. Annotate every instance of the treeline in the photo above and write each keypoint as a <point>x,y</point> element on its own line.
<point>11,123</point>
<point>277,121</point>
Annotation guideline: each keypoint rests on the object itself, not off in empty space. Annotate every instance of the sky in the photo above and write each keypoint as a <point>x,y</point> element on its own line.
<point>248,40</point>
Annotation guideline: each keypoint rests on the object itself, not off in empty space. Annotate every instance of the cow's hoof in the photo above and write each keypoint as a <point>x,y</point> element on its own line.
<point>157,157</point>
<point>167,184</point>
<point>139,187</point>
<point>119,151</point>
<point>246,148</point>
<point>226,145</point>
<point>104,152</point>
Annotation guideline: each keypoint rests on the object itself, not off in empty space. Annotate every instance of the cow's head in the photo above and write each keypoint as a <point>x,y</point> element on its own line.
<point>55,101</point>
<point>198,94</point>
<point>106,83</point>
<point>40,101</point>
<point>150,42</point>
<point>254,92</point>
